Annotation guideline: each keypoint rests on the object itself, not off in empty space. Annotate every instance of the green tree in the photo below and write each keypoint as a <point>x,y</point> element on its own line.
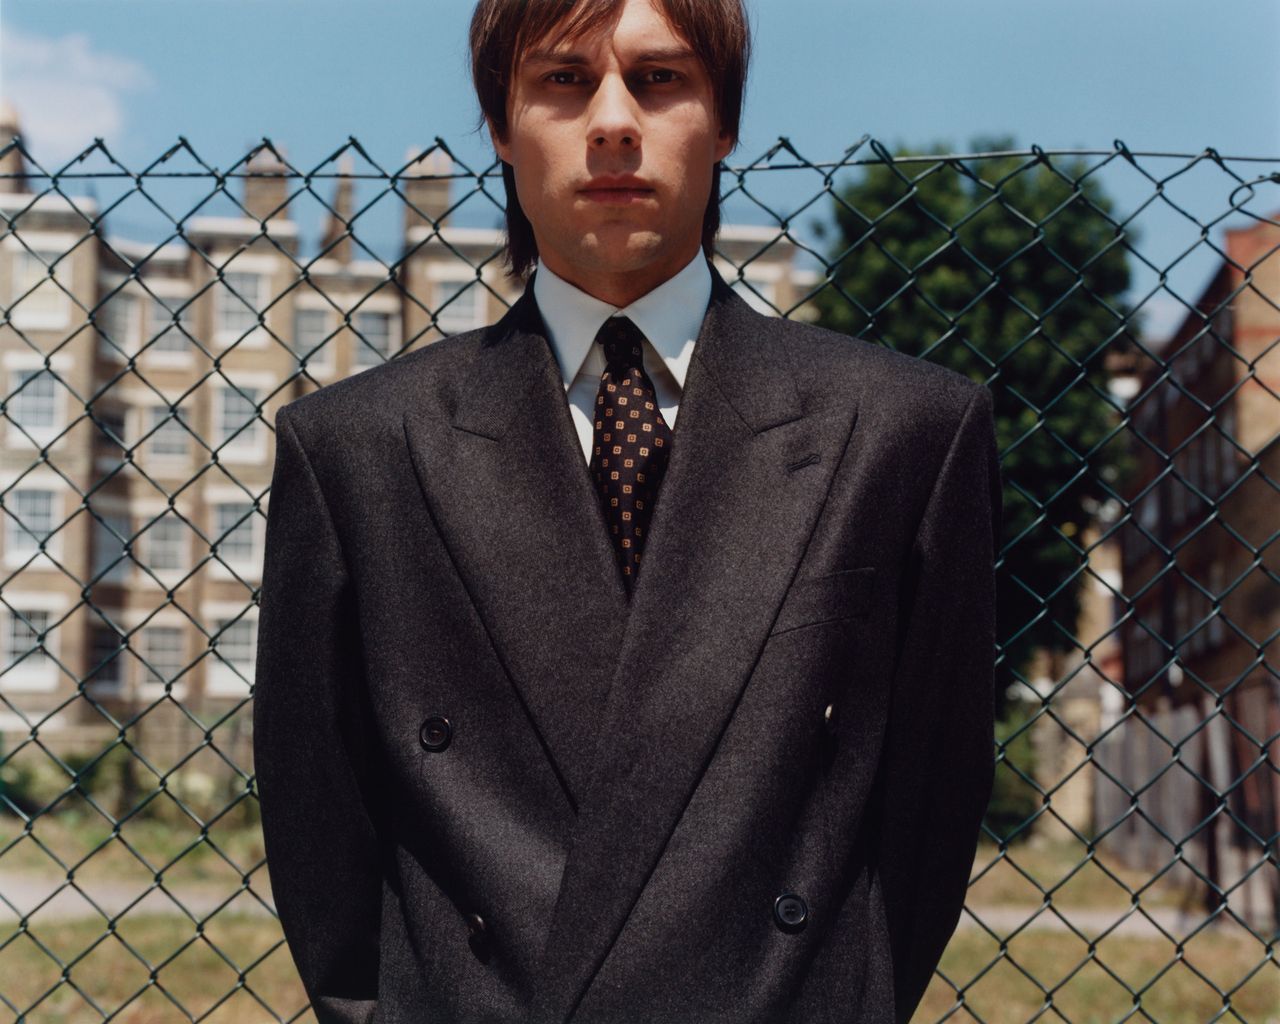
<point>1012,271</point>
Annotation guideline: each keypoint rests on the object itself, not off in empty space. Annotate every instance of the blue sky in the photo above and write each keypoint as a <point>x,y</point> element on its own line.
<point>1167,75</point>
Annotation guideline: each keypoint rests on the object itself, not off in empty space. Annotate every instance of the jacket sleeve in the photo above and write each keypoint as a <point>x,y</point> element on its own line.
<point>938,762</point>
<point>312,751</point>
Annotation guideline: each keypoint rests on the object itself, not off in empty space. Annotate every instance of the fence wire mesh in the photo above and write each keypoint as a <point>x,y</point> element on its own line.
<point>1124,309</point>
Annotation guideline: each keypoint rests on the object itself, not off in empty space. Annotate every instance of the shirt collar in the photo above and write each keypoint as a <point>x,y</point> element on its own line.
<point>670,317</point>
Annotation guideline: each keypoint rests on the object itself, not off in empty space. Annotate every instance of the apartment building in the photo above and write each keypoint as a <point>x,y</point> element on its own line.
<point>140,382</point>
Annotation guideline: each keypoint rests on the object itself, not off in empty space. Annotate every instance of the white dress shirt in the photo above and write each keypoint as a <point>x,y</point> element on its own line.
<point>670,317</point>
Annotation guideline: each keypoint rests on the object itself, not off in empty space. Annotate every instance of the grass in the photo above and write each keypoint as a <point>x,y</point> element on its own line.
<point>239,962</point>
<point>201,974</point>
<point>1073,879</point>
<point>194,974</point>
<point>142,848</point>
<point>1040,968</point>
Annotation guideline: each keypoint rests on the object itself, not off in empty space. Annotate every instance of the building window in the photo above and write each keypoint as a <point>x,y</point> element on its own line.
<point>1217,627</point>
<point>166,543</point>
<point>1213,463</point>
<point>110,426</point>
<point>106,658</point>
<point>310,329</point>
<point>459,306</point>
<point>111,561</point>
<point>33,405</point>
<point>1149,509</point>
<point>167,334</point>
<point>1226,442</point>
<point>1195,619</point>
<point>233,532</point>
<point>162,649</point>
<point>238,299</point>
<point>375,330</point>
<point>238,422</point>
<point>118,323</point>
<point>1138,657</point>
<point>1181,617</point>
<point>235,642</point>
<point>169,436</point>
<point>1177,497</point>
<point>30,523</point>
<point>1149,649</point>
<point>24,653</point>
<point>38,288</point>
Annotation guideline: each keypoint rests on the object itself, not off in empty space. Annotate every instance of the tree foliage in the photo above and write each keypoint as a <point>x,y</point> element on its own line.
<point>1012,271</point>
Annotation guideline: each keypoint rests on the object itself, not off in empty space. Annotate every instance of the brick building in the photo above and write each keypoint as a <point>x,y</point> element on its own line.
<point>1199,577</point>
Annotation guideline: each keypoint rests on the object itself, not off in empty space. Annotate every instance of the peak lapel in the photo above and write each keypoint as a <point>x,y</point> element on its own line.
<point>509,489</point>
<point>734,514</point>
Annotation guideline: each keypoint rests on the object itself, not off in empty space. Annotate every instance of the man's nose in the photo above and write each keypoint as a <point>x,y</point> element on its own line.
<point>613,121</point>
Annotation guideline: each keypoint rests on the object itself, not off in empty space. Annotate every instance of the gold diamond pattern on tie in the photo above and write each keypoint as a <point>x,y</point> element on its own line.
<point>632,443</point>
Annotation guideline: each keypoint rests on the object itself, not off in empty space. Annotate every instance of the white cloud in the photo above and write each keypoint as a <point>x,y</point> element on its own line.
<point>66,92</point>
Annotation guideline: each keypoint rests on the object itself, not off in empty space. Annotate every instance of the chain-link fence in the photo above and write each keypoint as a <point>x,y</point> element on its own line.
<point>1123,307</point>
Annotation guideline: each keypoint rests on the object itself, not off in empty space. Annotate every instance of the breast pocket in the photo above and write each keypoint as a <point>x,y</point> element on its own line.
<point>838,596</point>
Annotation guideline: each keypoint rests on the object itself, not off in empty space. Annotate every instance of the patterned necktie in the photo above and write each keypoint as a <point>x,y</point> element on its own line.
<point>632,443</point>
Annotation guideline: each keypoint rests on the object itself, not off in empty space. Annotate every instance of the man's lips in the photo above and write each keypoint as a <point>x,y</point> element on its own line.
<point>617,196</point>
<point>617,191</point>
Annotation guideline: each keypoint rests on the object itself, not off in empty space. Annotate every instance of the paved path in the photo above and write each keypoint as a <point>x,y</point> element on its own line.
<point>22,893</point>
<point>1092,923</point>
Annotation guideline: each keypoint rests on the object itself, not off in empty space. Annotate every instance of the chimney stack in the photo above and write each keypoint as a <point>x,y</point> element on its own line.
<point>264,196</point>
<point>11,162</point>
<point>431,197</point>
<point>337,222</point>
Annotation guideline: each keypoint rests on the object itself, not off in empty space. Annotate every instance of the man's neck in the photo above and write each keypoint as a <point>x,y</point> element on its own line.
<point>618,289</point>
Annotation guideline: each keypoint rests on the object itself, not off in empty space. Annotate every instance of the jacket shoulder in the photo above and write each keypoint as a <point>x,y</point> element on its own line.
<point>908,387</point>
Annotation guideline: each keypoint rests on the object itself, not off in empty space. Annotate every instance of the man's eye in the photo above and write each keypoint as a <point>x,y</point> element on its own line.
<point>557,76</point>
<point>666,75</point>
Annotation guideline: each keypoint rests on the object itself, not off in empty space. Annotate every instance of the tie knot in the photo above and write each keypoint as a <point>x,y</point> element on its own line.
<point>623,343</point>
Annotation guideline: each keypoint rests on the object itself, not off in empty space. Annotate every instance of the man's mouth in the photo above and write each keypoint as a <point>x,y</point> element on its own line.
<point>617,196</point>
<point>617,189</point>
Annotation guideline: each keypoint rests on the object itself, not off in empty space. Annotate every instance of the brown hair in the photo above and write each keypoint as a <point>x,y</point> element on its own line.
<point>503,30</point>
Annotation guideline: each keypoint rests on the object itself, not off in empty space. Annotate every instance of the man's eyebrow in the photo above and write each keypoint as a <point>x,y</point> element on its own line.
<point>668,55</point>
<point>554,57</point>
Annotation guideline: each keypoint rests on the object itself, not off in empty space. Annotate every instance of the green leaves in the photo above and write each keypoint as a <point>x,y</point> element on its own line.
<point>1011,270</point>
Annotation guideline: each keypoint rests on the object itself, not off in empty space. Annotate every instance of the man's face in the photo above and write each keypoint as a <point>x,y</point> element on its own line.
<point>613,138</point>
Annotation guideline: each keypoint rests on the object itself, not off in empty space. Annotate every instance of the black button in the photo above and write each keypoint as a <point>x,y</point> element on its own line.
<point>790,911</point>
<point>829,718</point>
<point>435,732</point>
<point>479,940</point>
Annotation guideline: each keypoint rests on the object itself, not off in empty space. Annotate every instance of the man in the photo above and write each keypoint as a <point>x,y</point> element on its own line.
<point>571,708</point>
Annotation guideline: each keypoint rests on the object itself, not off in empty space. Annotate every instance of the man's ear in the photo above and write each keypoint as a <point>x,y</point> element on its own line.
<point>724,144</point>
<point>500,146</point>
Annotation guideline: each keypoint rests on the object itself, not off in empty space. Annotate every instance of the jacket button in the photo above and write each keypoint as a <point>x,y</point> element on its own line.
<point>829,718</point>
<point>479,939</point>
<point>435,733</point>
<point>790,911</point>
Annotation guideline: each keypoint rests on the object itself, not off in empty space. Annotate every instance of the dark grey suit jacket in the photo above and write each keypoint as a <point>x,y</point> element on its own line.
<point>798,699</point>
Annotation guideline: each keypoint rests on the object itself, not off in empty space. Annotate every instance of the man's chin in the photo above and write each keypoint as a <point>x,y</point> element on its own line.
<point>622,252</point>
